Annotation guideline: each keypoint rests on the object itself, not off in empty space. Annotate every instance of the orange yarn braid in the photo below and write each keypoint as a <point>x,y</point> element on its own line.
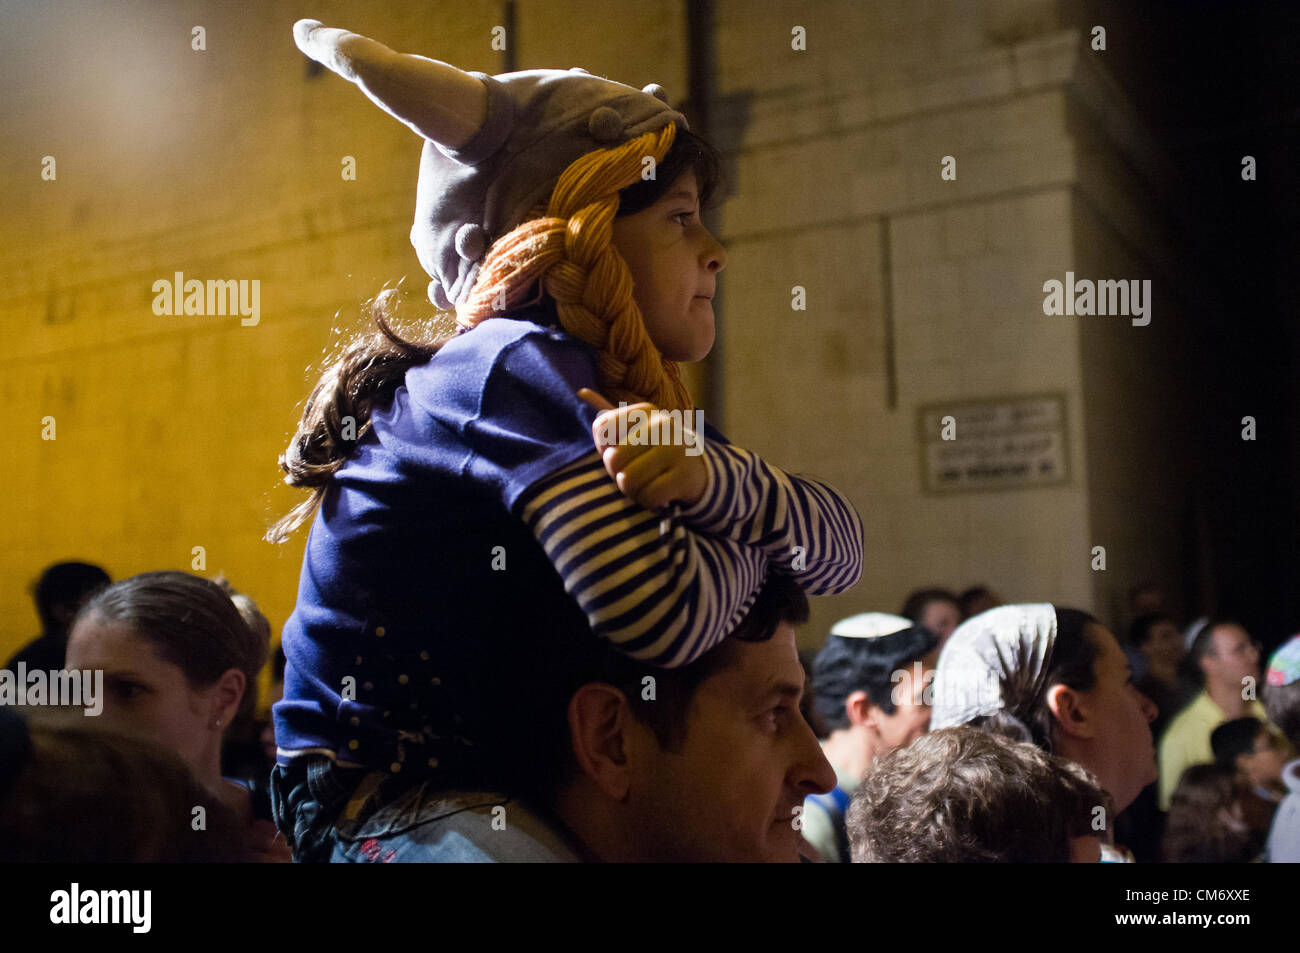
<point>569,250</point>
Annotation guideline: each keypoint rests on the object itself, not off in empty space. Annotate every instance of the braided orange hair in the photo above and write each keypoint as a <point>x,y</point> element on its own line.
<point>568,248</point>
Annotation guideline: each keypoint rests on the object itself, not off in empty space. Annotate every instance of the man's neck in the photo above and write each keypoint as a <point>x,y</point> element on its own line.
<point>849,752</point>
<point>1227,697</point>
<point>572,812</point>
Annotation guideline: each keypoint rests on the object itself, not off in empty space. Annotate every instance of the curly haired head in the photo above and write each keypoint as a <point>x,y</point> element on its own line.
<point>963,795</point>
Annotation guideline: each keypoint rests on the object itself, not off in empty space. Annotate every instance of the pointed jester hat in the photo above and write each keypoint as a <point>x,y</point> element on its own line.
<point>494,146</point>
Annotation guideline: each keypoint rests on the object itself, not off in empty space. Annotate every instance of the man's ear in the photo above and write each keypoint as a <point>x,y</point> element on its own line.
<point>598,714</point>
<point>857,708</point>
<point>1067,708</point>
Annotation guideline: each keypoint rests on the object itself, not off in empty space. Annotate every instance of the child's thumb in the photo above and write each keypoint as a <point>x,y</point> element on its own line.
<point>594,399</point>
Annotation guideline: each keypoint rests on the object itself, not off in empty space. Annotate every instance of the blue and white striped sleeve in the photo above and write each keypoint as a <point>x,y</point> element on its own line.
<point>807,528</point>
<point>504,398</point>
<point>656,589</point>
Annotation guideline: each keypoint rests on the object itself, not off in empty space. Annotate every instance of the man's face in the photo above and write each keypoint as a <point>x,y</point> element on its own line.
<point>1123,721</point>
<point>674,263</point>
<point>940,617</point>
<point>911,717</point>
<point>1234,657</point>
<point>748,761</point>
<point>1164,643</point>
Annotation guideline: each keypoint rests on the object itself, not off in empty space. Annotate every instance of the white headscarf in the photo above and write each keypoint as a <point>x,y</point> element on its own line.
<point>996,661</point>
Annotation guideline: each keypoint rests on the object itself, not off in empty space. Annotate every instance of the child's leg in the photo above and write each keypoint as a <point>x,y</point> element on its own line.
<point>306,798</point>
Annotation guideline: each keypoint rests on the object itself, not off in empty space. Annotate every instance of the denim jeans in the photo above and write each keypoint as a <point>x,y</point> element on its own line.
<point>350,815</point>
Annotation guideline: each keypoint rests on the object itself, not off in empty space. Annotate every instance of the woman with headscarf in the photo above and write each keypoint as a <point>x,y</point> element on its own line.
<point>1058,678</point>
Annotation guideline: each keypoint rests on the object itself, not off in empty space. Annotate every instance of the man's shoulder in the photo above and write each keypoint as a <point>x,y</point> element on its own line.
<point>1199,712</point>
<point>818,825</point>
<point>491,827</point>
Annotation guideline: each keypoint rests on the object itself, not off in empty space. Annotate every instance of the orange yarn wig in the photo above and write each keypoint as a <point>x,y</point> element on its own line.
<point>569,249</point>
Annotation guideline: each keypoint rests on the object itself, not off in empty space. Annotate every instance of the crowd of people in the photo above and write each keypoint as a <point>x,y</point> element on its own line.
<point>1019,733</point>
<point>547,613</point>
<point>1057,680</point>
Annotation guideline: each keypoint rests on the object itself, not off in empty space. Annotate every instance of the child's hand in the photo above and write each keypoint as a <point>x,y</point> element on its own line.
<point>654,476</point>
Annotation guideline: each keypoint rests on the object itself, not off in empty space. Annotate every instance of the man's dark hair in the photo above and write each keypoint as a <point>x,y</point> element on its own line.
<point>915,605</point>
<point>66,586</point>
<point>847,665</point>
<point>969,597</point>
<point>962,795</point>
<point>1234,738</point>
<point>780,600</point>
<point>520,726</point>
<point>514,696</point>
<point>1139,633</point>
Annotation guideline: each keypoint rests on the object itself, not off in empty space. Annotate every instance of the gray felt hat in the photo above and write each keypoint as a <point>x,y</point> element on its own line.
<point>494,145</point>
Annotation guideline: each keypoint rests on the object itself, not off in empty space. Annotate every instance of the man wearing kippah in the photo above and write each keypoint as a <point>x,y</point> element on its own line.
<point>1228,659</point>
<point>869,687</point>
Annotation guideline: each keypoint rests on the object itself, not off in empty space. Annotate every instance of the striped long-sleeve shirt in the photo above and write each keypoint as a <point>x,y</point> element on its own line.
<point>478,509</point>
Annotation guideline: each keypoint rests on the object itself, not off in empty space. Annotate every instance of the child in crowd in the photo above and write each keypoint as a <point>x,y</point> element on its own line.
<point>476,492</point>
<point>1207,821</point>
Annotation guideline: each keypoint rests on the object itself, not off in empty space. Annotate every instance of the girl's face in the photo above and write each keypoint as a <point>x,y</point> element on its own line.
<point>674,263</point>
<point>145,695</point>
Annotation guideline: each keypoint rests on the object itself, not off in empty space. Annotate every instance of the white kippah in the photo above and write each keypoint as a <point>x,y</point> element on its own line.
<point>870,625</point>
